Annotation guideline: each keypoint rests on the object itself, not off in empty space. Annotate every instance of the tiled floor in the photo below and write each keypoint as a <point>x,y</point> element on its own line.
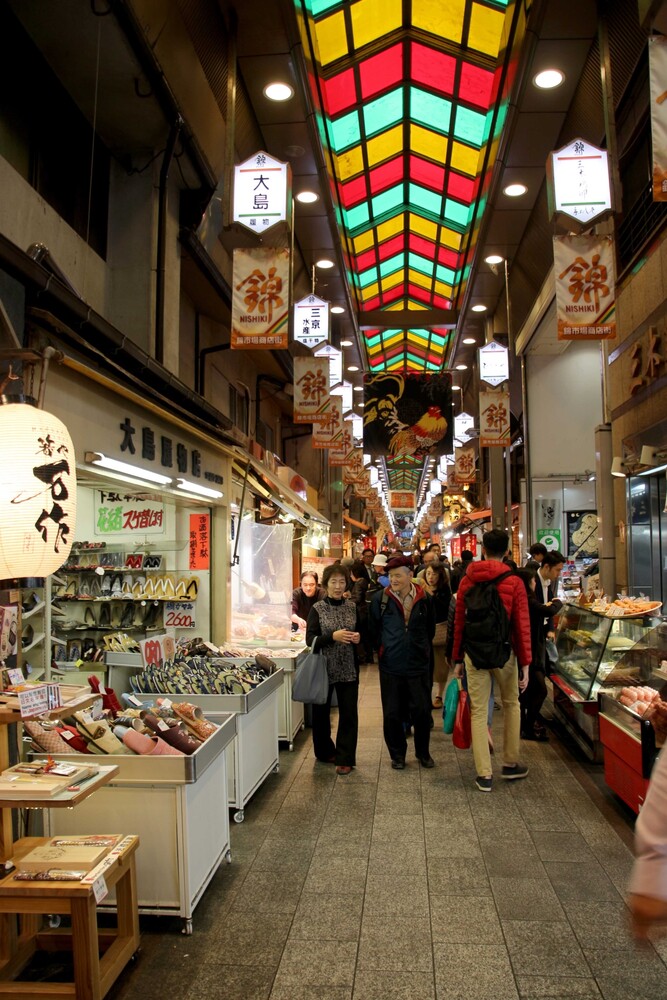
<point>391,885</point>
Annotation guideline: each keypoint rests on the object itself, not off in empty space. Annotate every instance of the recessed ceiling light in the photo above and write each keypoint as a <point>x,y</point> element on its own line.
<point>353,368</point>
<point>469,340</point>
<point>548,79</point>
<point>337,310</point>
<point>324,264</point>
<point>461,367</point>
<point>494,258</point>
<point>307,197</point>
<point>455,387</point>
<point>479,308</point>
<point>515,190</point>
<point>278,91</point>
<point>346,343</point>
<point>358,388</point>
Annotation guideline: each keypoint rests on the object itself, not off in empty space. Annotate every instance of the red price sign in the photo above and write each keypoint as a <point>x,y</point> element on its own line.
<point>158,649</point>
<point>180,614</point>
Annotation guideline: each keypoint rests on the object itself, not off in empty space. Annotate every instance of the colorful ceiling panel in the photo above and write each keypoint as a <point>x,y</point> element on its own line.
<point>388,350</point>
<point>405,472</point>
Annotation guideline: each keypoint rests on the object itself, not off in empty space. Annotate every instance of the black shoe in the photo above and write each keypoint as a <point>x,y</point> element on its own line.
<point>398,763</point>
<point>536,736</point>
<point>426,761</point>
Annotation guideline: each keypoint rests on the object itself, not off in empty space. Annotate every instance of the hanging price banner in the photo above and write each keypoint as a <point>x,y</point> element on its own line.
<point>156,650</point>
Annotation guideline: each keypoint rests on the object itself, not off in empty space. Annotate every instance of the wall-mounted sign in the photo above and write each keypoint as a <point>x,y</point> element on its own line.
<point>551,539</point>
<point>578,182</point>
<point>260,299</point>
<point>261,186</point>
<point>657,60</point>
<point>311,321</point>
<point>494,418</point>
<point>311,389</point>
<point>494,363</point>
<point>199,545</point>
<point>128,514</point>
<point>335,362</point>
<point>585,287</point>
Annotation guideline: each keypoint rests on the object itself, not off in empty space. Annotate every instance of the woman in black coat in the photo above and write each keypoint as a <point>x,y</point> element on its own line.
<point>532,699</point>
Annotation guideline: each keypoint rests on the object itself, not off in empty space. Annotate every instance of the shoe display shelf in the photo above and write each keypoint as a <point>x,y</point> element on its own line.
<point>98,956</point>
<point>290,713</point>
<point>255,752</point>
<point>178,806</point>
<point>34,627</point>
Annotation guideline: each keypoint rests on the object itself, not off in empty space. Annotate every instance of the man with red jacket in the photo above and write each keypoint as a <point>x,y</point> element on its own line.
<point>512,593</point>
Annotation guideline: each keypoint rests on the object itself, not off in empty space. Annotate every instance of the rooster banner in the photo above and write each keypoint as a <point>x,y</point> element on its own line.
<point>408,414</point>
<point>657,60</point>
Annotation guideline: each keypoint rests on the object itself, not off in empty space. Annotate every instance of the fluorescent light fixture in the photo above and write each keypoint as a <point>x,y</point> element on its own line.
<point>515,190</point>
<point>619,468</point>
<point>307,197</point>
<point>337,310</point>
<point>547,79</point>
<point>494,258</point>
<point>469,340</point>
<point>96,458</point>
<point>278,91</point>
<point>479,308</point>
<point>324,264</point>
<point>204,491</point>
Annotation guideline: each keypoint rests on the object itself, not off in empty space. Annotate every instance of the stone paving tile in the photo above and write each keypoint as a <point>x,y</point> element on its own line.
<point>316,963</point>
<point>317,913</point>
<point>462,919</point>
<point>537,947</point>
<point>389,949</point>
<point>370,984</point>
<point>580,881</point>
<point>473,972</point>
<point>526,899</point>
<point>557,988</point>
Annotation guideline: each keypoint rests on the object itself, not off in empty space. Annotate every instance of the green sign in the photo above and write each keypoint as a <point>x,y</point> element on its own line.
<point>549,537</point>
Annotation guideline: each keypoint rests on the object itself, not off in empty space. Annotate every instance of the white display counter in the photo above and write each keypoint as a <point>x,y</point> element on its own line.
<point>178,806</point>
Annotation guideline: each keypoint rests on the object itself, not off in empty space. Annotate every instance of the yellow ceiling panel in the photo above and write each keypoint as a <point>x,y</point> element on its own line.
<point>428,143</point>
<point>393,339</point>
<point>423,227</point>
<point>464,159</point>
<point>396,307</point>
<point>416,307</point>
<point>372,19</point>
<point>397,278</point>
<point>486,29</point>
<point>350,163</point>
<point>364,242</point>
<point>370,291</point>
<point>442,289</point>
<point>385,145</point>
<point>440,17</point>
<point>331,39</point>
<point>390,228</point>
<point>450,238</point>
<point>417,278</point>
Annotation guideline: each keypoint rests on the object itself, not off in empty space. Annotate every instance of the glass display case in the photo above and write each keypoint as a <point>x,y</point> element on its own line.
<point>261,586</point>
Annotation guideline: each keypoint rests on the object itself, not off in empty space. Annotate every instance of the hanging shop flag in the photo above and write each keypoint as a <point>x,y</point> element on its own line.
<point>494,365</point>
<point>311,321</point>
<point>311,389</point>
<point>452,481</point>
<point>260,311</point>
<point>335,362</point>
<point>578,185</point>
<point>342,444</point>
<point>407,415</point>
<point>657,61</point>
<point>402,500</point>
<point>261,189</point>
<point>344,390</point>
<point>354,468</point>
<point>494,418</point>
<point>329,426</point>
<point>464,465</point>
<point>469,542</point>
<point>456,548</point>
<point>585,287</point>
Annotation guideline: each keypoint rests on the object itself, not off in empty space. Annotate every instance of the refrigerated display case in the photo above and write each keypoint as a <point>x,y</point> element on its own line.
<point>589,645</point>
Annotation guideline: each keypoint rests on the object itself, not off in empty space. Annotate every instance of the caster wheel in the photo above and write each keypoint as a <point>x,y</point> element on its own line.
<point>291,747</point>
<point>228,857</point>
<point>239,816</point>
<point>135,957</point>
<point>276,768</point>
<point>55,920</point>
<point>187,928</point>
<point>303,726</point>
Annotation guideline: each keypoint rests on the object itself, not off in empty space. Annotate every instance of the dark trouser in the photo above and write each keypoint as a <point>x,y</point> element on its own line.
<point>345,748</point>
<point>397,693</point>
<point>532,699</point>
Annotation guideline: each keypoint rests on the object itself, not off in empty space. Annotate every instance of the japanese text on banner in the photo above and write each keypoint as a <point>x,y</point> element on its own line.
<point>260,298</point>
<point>200,541</point>
<point>585,287</point>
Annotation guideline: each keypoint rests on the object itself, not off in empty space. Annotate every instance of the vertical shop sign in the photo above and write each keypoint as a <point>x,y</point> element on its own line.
<point>657,59</point>
<point>261,187</point>
<point>128,514</point>
<point>585,287</point>
<point>456,548</point>
<point>260,294</point>
<point>494,366</point>
<point>311,389</point>
<point>335,362</point>
<point>330,424</point>
<point>200,541</point>
<point>578,184</point>
<point>311,321</point>
<point>494,418</point>
<point>464,465</point>
<point>342,446</point>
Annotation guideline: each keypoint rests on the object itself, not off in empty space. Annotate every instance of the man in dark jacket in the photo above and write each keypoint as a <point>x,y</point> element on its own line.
<point>458,574</point>
<point>512,593</point>
<point>402,625</point>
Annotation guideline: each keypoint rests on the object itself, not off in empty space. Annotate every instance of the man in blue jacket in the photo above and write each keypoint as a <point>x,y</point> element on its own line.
<point>402,625</point>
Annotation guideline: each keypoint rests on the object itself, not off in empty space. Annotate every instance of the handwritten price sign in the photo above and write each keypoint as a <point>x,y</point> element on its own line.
<point>180,614</point>
<point>157,650</point>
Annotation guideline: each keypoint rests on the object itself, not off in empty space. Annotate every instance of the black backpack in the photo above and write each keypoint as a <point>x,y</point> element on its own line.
<point>486,629</point>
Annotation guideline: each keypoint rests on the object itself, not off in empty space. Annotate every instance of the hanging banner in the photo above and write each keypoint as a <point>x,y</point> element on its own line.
<point>329,425</point>
<point>657,61</point>
<point>456,548</point>
<point>407,415</point>
<point>311,321</point>
<point>261,186</point>
<point>464,465</point>
<point>341,446</point>
<point>260,311</point>
<point>578,184</point>
<point>494,365</point>
<point>494,418</point>
<point>402,500</point>
<point>335,362</point>
<point>585,287</point>
<point>311,389</point>
<point>354,468</point>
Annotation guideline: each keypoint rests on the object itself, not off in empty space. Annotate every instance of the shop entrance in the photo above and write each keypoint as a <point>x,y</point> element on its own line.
<point>648,536</point>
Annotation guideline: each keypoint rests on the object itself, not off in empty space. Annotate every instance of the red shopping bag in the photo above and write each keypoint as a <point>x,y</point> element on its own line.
<point>462,735</point>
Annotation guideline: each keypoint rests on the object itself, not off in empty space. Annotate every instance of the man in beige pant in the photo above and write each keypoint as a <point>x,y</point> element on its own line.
<point>511,591</point>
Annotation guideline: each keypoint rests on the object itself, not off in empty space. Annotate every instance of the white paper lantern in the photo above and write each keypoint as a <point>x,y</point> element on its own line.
<point>435,486</point>
<point>37,492</point>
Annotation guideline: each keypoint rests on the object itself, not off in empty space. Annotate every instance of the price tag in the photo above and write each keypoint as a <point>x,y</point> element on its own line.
<point>134,700</point>
<point>162,725</point>
<point>66,735</point>
<point>34,701</point>
<point>166,703</point>
<point>15,675</point>
<point>102,689</point>
<point>100,890</point>
<point>180,614</point>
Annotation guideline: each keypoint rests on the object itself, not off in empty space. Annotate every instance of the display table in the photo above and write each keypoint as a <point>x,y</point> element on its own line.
<point>179,808</point>
<point>290,713</point>
<point>93,975</point>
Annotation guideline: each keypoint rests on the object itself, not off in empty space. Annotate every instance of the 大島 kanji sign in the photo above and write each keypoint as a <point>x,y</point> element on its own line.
<point>585,305</point>
<point>260,299</point>
<point>261,187</point>
<point>578,182</point>
<point>494,418</point>
<point>311,321</point>
<point>311,389</point>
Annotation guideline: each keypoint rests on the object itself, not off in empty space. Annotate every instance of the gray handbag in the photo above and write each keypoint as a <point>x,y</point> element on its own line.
<point>311,681</point>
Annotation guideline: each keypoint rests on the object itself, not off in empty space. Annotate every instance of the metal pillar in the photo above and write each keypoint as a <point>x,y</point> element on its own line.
<point>604,497</point>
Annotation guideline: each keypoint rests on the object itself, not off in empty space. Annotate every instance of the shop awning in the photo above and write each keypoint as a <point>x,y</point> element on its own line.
<point>477,516</point>
<point>358,524</point>
<point>281,494</point>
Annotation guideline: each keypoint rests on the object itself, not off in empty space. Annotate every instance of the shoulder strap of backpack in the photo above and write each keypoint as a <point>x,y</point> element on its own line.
<point>503,576</point>
<point>384,602</point>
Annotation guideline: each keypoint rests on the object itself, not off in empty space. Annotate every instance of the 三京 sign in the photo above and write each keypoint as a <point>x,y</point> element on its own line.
<point>311,321</point>
<point>260,192</point>
<point>578,183</point>
<point>493,363</point>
